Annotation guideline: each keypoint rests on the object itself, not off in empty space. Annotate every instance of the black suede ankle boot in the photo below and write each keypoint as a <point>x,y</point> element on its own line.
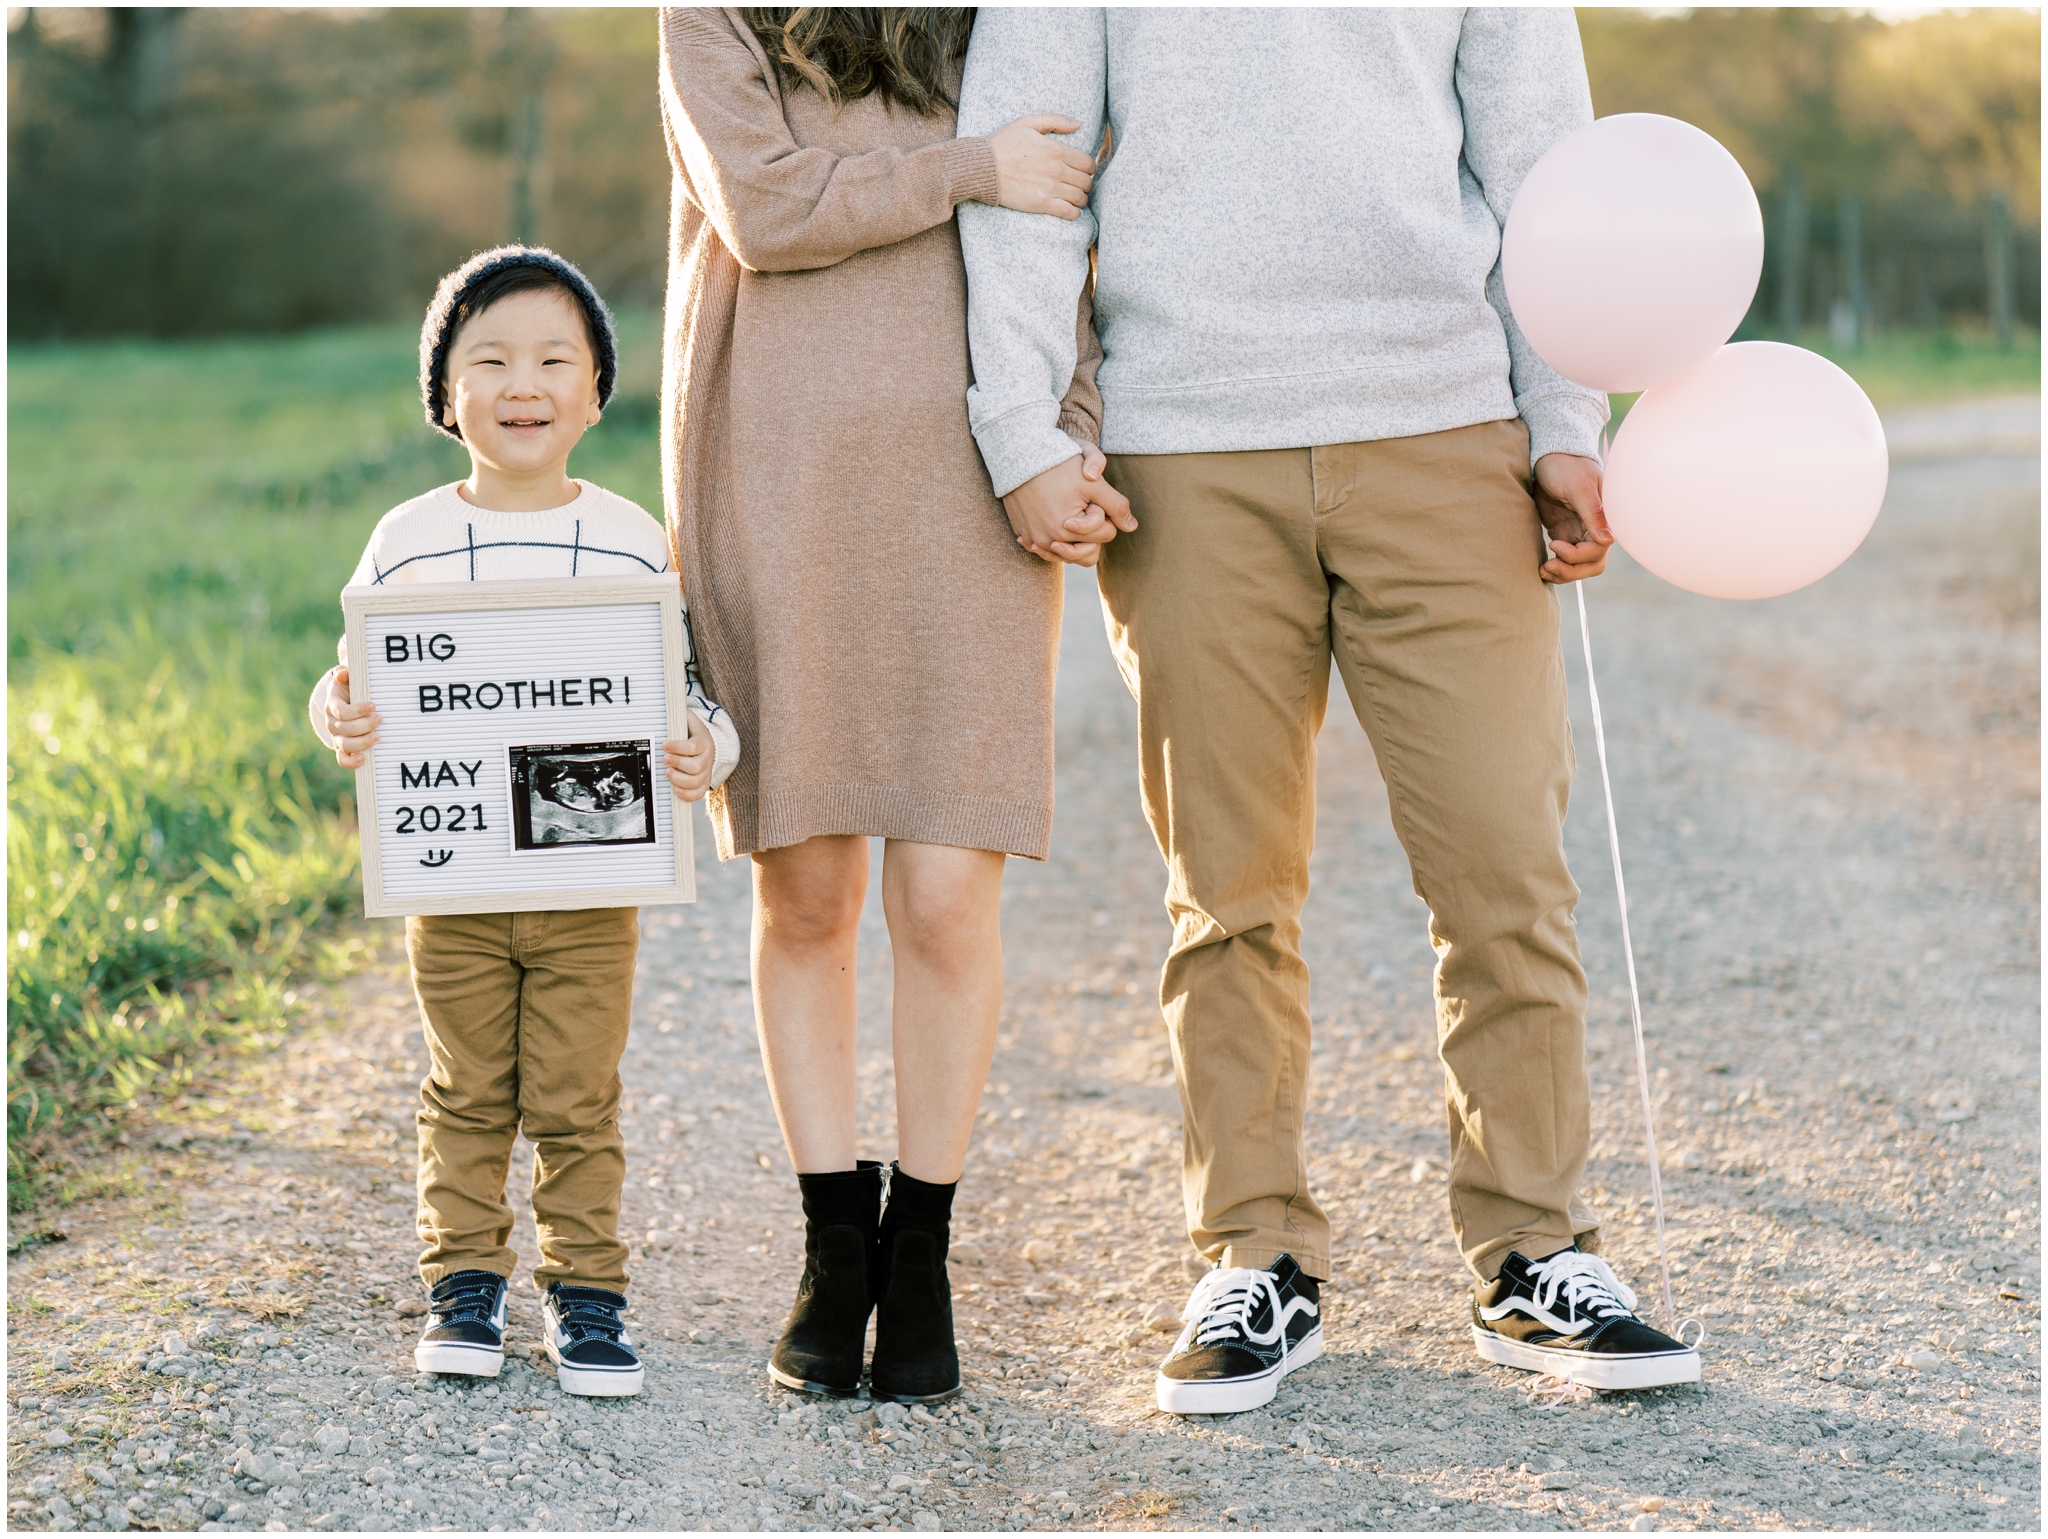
<point>915,1358</point>
<point>821,1347</point>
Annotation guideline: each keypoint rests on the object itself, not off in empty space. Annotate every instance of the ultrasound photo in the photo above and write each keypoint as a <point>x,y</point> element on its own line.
<point>569,795</point>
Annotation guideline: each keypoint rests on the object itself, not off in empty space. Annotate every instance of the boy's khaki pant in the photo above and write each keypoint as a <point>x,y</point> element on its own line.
<point>526,1018</point>
<point>1413,561</point>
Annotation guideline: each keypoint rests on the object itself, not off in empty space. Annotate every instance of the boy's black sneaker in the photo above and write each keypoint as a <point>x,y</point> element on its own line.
<point>465,1326</point>
<point>1568,1314</point>
<point>1246,1330</point>
<point>586,1337</point>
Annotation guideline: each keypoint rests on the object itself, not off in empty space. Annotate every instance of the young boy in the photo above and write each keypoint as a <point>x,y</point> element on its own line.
<point>525,1015</point>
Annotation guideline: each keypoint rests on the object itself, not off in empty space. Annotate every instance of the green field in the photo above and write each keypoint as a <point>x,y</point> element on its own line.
<point>1904,368</point>
<point>180,521</point>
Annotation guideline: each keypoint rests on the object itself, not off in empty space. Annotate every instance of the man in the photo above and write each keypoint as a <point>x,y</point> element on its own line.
<point>1335,443</point>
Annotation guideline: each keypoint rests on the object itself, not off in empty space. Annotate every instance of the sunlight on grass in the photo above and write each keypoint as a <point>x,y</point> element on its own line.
<point>168,854</point>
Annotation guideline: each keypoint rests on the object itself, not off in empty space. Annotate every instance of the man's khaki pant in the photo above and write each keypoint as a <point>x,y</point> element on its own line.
<point>1414,562</point>
<point>525,1018</point>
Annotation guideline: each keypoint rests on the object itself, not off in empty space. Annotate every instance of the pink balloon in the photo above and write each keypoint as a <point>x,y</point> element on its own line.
<point>1757,473</point>
<point>1632,251</point>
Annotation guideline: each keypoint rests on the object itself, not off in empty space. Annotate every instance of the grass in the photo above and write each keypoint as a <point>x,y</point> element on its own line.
<point>181,518</point>
<point>1903,368</point>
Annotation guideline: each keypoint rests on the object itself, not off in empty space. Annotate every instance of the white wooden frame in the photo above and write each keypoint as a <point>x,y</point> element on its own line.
<point>359,603</point>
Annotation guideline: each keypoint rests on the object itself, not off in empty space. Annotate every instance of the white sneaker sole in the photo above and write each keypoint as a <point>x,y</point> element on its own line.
<point>453,1357</point>
<point>595,1383</point>
<point>1640,1370</point>
<point>1222,1397</point>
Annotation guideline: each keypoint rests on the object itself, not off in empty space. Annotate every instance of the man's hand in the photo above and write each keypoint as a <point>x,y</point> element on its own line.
<point>1068,513</point>
<point>353,727</point>
<point>689,762</point>
<point>1568,502</point>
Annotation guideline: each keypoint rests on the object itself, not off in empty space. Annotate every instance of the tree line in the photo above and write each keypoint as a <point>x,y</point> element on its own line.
<point>1898,164</point>
<point>186,172</point>
<point>177,172</point>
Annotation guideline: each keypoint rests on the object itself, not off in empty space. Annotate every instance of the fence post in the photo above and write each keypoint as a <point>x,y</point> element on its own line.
<point>1791,264</point>
<point>1852,304</point>
<point>1998,268</point>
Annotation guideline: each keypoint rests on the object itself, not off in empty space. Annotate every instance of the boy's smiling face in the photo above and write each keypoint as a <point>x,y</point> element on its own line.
<point>522,383</point>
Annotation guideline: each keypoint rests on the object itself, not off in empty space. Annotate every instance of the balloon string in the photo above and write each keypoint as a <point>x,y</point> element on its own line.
<point>1635,999</point>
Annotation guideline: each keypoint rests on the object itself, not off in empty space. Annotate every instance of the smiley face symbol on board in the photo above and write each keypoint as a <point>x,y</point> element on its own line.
<point>437,857</point>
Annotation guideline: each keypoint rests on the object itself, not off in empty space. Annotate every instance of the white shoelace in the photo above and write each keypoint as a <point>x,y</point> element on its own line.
<point>1591,1291</point>
<point>1222,1306</point>
<point>1554,1390</point>
<point>1590,1288</point>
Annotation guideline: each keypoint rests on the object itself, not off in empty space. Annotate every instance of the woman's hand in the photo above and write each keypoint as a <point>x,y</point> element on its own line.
<point>689,762</point>
<point>1095,525</point>
<point>1040,175</point>
<point>1068,513</point>
<point>353,727</point>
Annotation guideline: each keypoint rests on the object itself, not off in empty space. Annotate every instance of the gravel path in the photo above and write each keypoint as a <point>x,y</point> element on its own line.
<point>1830,812</point>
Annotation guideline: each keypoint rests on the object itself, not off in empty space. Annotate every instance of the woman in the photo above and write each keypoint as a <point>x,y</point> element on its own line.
<point>859,604</point>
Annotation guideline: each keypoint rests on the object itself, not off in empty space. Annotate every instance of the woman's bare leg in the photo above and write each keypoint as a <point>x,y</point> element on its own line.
<point>807,900</point>
<point>944,911</point>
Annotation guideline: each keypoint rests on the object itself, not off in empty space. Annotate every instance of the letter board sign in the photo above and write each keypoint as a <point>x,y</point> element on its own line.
<point>519,761</point>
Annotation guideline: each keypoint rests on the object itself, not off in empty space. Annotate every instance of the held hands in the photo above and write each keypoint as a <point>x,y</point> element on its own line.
<point>689,762</point>
<point>1068,513</point>
<point>1040,175</point>
<point>353,727</point>
<point>1568,502</point>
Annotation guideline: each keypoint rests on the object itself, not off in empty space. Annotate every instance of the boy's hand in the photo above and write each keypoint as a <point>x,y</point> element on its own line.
<point>689,762</point>
<point>353,727</point>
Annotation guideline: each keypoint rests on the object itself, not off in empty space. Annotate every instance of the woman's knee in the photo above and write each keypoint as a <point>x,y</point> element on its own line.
<point>809,901</point>
<point>943,911</point>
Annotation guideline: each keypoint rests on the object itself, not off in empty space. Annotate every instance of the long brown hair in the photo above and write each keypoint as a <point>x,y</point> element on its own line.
<point>847,52</point>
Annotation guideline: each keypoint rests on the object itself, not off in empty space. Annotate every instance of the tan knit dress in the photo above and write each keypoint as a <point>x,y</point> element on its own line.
<point>858,601</point>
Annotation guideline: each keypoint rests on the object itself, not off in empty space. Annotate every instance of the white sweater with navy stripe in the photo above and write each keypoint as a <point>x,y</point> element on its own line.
<point>439,537</point>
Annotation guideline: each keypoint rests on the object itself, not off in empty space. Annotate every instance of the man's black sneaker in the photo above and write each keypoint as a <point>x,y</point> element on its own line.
<point>587,1339</point>
<point>1246,1330</point>
<point>1568,1314</point>
<point>465,1326</point>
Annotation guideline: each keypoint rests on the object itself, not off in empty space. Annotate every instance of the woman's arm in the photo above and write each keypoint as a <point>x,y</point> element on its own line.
<point>778,206</point>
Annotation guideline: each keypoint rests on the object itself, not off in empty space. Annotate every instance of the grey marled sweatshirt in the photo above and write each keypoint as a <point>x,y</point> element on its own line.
<point>1298,231</point>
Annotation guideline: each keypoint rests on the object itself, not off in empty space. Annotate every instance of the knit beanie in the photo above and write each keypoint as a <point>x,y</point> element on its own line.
<point>452,298</point>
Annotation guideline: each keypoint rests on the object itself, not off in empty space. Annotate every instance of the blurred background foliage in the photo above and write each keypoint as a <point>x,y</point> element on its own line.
<point>176,172</point>
<point>186,172</point>
<point>1898,162</point>
<point>223,225</point>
